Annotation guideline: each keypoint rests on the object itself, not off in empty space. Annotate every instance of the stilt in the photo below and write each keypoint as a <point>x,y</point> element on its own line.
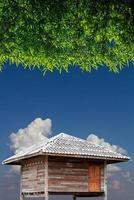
<point>21,196</point>
<point>105,180</point>
<point>46,197</point>
<point>74,197</point>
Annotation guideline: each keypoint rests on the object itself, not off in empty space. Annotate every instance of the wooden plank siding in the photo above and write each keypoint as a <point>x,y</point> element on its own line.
<point>71,175</point>
<point>33,175</point>
<point>65,175</point>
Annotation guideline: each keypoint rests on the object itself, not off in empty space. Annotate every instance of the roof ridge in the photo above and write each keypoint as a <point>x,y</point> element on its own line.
<point>85,140</point>
<point>93,144</point>
<point>50,140</point>
<point>68,135</point>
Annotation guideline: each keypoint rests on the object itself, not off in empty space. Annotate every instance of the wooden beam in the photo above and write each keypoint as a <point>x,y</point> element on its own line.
<point>105,180</point>
<point>46,178</point>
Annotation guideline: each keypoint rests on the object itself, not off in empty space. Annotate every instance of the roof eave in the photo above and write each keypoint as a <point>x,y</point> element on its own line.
<point>17,161</point>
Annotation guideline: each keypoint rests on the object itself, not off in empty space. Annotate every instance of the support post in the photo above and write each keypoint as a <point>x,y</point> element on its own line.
<point>46,178</point>
<point>74,197</point>
<point>21,194</point>
<point>21,197</point>
<point>105,180</point>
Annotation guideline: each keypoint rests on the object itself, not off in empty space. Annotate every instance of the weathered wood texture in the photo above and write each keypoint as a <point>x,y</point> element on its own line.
<point>65,175</point>
<point>46,178</point>
<point>33,175</point>
<point>72,175</point>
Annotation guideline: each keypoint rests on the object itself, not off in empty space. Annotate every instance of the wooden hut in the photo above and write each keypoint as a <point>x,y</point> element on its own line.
<point>64,165</point>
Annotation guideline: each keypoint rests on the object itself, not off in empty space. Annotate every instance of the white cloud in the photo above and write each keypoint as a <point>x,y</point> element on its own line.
<point>111,169</point>
<point>37,131</point>
<point>114,168</point>
<point>100,141</point>
<point>127,176</point>
<point>15,169</point>
<point>116,184</point>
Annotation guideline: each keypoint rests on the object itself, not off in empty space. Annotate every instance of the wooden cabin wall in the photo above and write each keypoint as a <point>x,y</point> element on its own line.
<point>64,175</point>
<point>33,175</point>
<point>70,175</point>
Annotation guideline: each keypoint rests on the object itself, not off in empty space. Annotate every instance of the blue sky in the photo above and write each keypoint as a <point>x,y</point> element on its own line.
<point>78,103</point>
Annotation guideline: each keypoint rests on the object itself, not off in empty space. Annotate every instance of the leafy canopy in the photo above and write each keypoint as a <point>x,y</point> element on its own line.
<point>51,34</point>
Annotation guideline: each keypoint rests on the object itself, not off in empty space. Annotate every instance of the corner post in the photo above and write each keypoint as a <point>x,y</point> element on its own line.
<point>46,178</point>
<point>21,194</point>
<point>21,197</point>
<point>105,180</point>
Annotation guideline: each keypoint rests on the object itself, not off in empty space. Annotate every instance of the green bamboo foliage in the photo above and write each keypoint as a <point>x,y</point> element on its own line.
<point>58,33</point>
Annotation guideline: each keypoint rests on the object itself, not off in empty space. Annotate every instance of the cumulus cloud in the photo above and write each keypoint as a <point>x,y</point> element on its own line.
<point>116,184</point>
<point>127,176</point>
<point>101,141</point>
<point>111,169</point>
<point>124,178</point>
<point>37,131</point>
